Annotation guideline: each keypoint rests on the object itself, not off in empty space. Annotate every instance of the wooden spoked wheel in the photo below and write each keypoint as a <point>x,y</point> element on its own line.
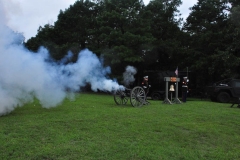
<point>137,96</point>
<point>120,97</point>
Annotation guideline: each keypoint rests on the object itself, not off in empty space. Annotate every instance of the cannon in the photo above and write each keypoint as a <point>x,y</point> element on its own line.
<point>136,95</point>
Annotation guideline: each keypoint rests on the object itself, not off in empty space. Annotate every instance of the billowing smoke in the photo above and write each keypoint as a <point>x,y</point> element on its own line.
<point>25,75</point>
<point>128,75</point>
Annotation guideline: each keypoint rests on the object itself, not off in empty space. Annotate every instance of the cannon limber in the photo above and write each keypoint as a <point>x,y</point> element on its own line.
<point>136,95</point>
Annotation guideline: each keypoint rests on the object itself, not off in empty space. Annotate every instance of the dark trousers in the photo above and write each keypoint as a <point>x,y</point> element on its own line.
<point>184,96</point>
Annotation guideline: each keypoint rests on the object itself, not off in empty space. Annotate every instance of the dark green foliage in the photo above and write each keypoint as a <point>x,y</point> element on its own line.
<point>211,39</point>
<point>126,32</point>
<point>165,29</point>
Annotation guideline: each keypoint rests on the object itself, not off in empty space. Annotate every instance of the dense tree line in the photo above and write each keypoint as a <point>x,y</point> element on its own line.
<point>149,37</point>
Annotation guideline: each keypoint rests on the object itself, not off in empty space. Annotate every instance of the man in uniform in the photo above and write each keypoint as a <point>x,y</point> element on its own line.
<point>145,86</point>
<point>184,89</point>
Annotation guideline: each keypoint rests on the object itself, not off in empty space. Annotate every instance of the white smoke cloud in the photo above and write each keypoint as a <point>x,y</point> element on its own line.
<point>87,69</point>
<point>25,75</point>
<point>128,75</point>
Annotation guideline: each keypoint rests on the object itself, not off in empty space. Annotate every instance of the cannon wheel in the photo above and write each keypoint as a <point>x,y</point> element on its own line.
<point>120,97</point>
<point>137,97</point>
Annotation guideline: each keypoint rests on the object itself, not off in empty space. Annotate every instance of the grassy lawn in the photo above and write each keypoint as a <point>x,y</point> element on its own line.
<point>93,127</point>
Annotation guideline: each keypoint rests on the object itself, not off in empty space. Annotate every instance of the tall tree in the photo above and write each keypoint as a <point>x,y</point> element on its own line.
<point>46,36</point>
<point>124,30</point>
<point>207,25</point>
<point>165,29</point>
<point>232,53</point>
<point>72,30</point>
<point>74,26</point>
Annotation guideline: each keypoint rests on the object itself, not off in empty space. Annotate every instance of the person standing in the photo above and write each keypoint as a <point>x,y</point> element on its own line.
<point>145,84</point>
<point>145,87</point>
<point>184,89</point>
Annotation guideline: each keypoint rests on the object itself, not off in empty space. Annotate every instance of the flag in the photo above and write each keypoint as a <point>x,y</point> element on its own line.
<point>176,71</point>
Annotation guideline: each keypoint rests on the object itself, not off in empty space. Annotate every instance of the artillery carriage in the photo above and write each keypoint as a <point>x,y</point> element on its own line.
<point>136,95</point>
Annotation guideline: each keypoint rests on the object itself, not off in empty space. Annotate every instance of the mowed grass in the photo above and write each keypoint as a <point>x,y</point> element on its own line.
<point>93,127</point>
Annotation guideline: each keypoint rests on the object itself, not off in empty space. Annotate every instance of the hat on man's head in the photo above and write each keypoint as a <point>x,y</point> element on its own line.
<point>145,77</point>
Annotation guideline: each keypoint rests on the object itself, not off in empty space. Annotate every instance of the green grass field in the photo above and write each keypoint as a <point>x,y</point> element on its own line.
<point>93,127</point>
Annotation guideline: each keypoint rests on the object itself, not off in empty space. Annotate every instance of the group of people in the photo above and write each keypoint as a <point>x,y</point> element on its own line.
<point>146,87</point>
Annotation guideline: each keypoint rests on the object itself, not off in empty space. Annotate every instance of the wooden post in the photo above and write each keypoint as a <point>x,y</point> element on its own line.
<point>166,100</point>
